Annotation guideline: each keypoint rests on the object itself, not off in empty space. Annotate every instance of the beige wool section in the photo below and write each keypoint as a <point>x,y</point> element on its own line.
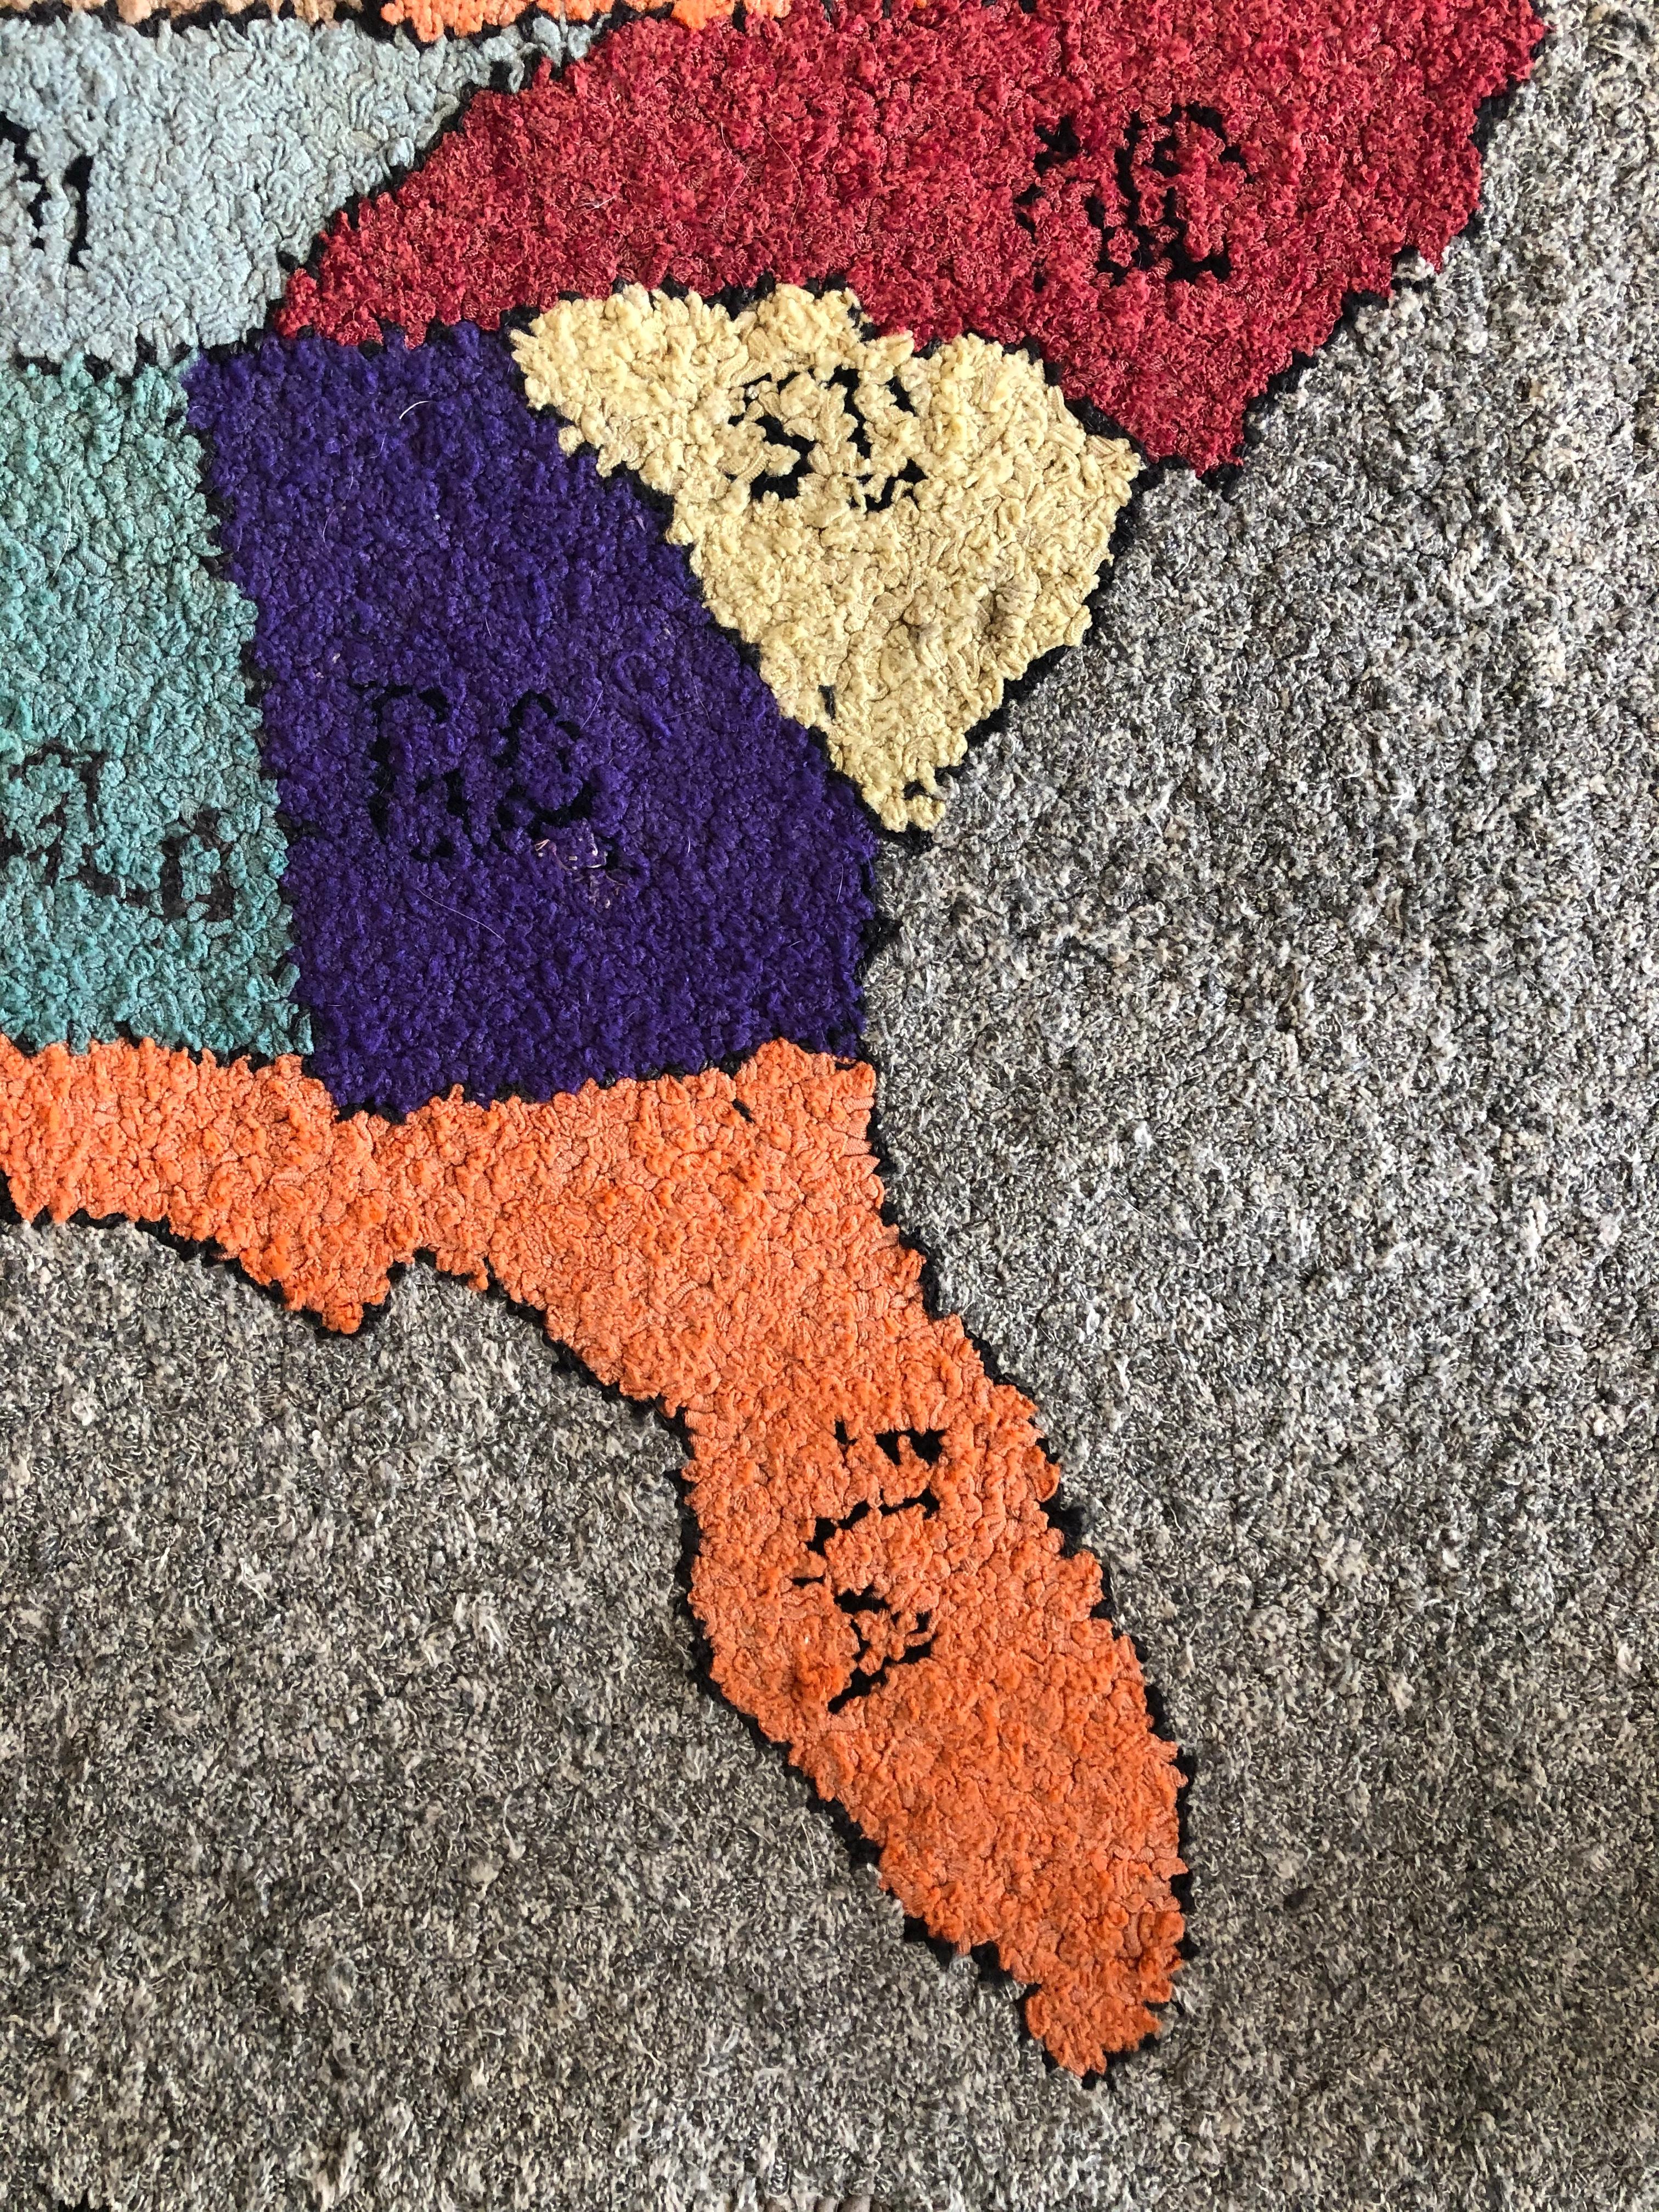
<point>898,535</point>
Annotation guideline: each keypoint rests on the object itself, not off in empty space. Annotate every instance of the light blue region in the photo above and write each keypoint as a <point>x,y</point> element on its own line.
<point>157,184</point>
<point>140,856</point>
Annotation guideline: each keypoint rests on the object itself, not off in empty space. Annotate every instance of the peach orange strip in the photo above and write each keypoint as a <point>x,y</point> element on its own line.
<point>876,1576</point>
<point>430,19</point>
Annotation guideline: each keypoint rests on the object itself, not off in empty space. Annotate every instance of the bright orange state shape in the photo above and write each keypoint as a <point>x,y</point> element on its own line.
<point>430,19</point>
<point>876,1575</point>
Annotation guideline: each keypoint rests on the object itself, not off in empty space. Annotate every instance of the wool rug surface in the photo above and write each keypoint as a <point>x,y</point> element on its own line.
<point>930,727</point>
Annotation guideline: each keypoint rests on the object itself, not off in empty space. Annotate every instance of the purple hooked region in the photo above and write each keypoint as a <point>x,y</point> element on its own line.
<point>545,824</point>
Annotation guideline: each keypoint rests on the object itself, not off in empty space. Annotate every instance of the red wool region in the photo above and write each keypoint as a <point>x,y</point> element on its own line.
<point>1170,201</point>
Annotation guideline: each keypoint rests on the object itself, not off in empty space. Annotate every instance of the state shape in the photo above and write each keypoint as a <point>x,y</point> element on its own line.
<point>1170,203</point>
<point>881,1584</point>
<point>157,188</point>
<point>546,824</point>
<point>140,856</point>
<point>898,535</point>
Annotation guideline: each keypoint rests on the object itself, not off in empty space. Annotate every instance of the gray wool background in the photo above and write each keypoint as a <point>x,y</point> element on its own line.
<point>1268,1060</point>
<point>212,151</point>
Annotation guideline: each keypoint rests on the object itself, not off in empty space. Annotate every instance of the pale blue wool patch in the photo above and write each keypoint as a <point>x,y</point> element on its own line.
<point>140,856</point>
<point>157,185</point>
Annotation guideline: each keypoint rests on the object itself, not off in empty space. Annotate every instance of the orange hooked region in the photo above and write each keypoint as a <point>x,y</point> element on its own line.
<point>880,1585</point>
<point>430,19</point>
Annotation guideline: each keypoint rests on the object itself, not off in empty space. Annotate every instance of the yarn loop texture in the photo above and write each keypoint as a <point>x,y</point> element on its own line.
<point>445,738</point>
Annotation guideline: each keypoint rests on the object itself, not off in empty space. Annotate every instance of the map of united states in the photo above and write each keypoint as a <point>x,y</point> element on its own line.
<point>447,723</point>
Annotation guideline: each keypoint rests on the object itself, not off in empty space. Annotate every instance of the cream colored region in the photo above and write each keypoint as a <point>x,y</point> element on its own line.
<point>899,535</point>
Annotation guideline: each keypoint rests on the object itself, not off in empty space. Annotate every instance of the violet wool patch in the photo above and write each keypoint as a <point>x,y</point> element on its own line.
<point>546,826</point>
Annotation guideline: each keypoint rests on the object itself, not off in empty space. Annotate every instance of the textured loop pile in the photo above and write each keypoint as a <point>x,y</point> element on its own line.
<point>545,824</point>
<point>145,11</point>
<point>547,828</point>
<point>1172,201</point>
<point>898,535</point>
<point>866,1496</point>
<point>139,850</point>
<point>430,19</point>
<point>161,189</point>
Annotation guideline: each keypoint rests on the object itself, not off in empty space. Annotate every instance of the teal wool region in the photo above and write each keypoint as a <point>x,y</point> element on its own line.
<point>140,854</point>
